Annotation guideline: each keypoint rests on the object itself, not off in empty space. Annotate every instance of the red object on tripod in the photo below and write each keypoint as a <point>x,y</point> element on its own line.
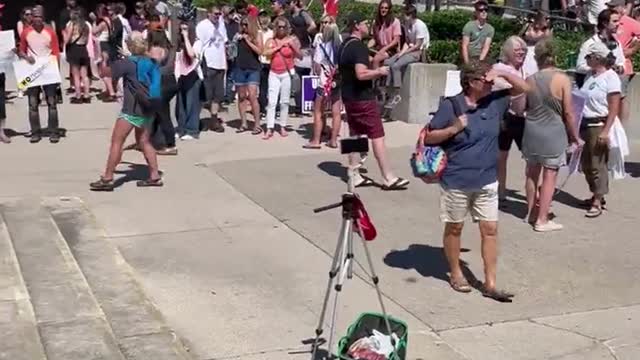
<point>363,221</point>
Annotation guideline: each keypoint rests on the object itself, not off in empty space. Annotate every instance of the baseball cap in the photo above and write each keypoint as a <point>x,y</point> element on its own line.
<point>355,19</point>
<point>616,3</point>
<point>598,48</point>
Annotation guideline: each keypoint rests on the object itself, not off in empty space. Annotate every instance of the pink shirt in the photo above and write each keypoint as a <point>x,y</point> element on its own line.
<point>629,28</point>
<point>282,61</point>
<point>386,34</point>
<point>518,103</point>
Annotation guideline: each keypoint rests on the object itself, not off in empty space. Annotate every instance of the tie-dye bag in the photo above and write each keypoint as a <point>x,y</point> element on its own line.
<point>428,162</point>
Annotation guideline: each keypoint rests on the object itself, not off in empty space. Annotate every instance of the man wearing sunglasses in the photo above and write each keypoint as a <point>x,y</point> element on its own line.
<point>40,41</point>
<point>212,36</point>
<point>363,113</point>
<point>477,35</point>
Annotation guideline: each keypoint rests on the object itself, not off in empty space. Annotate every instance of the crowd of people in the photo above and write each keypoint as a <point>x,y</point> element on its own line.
<point>530,104</point>
<point>256,59</point>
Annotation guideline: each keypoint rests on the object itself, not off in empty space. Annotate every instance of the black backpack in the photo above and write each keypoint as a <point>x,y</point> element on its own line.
<point>116,32</point>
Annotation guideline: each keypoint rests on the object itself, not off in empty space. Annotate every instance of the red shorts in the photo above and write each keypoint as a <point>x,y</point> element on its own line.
<point>364,118</point>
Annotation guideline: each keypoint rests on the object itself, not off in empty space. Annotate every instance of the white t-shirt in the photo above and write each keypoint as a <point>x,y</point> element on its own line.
<point>418,31</point>
<point>266,36</point>
<point>163,9</point>
<point>594,7</point>
<point>319,57</point>
<point>213,42</point>
<point>596,89</point>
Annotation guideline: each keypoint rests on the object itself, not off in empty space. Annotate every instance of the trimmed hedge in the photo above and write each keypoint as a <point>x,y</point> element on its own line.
<point>445,28</point>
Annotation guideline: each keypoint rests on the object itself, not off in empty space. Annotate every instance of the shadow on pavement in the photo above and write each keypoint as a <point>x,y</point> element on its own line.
<point>428,261</point>
<point>135,172</point>
<point>564,197</point>
<point>633,169</point>
<point>334,168</point>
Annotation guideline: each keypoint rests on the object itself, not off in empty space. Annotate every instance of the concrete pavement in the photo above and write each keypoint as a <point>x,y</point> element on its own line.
<point>232,256</point>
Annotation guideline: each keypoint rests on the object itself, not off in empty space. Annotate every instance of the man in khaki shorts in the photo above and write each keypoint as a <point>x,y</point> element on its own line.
<point>466,126</point>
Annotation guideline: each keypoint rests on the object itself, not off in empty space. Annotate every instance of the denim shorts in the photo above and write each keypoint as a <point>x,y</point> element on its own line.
<point>243,77</point>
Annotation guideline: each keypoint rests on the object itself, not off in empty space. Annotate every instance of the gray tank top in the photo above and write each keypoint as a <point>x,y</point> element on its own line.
<point>544,132</point>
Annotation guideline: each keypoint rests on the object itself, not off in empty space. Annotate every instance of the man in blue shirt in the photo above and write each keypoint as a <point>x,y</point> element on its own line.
<point>466,126</point>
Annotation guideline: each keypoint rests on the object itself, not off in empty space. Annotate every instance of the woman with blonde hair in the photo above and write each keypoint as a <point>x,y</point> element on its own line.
<point>549,130</point>
<point>282,50</point>
<point>324,65</point>
<point>141,95</point>
<point>77,36</point>
<point>247,72</point>
<point>513,54</point>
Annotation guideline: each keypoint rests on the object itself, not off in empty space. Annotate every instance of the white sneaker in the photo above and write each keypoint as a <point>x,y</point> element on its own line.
<point>187,137</point>
<point>176,136</point>
<point>548,227</point>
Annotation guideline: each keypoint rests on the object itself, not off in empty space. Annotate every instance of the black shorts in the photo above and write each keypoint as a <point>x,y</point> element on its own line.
<point>511,129</point>
<point>213,85</point>
<point>77,55</point>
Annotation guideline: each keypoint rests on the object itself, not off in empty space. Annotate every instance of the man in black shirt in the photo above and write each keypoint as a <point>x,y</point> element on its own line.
<point>363,112</point>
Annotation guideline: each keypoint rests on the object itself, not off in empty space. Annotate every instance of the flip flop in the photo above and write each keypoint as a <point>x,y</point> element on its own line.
<point>311,147</point>
<point>398,184</point>
<point>594,212</point>
<point>242,129</point>
<point>366,182</point>
<point>497,295</point>
<point>333,146</point>
<point>256,131</point>
<point>460,285</point>
<point>150,183</point>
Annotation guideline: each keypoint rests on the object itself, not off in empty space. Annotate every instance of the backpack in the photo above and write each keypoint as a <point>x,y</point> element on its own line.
<point>428,162</point>
<point>116,32</point>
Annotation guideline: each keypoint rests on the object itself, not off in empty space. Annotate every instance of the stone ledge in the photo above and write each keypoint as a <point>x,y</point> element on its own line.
<point>423,85</point>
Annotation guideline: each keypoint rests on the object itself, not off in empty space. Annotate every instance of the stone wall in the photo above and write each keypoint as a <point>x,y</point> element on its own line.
<point>423,85</point>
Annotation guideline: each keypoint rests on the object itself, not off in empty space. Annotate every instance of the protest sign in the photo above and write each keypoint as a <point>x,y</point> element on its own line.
<point>43,72</point>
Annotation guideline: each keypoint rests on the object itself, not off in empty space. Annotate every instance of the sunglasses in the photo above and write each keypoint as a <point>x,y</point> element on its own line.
<point>245,24</point>
<point>384,8</point>
<point>481,10</point>
<point>27,14</point>
<point>281,26</point>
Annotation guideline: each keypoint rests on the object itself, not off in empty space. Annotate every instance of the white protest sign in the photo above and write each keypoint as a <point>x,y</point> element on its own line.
<point>43,72</point>
<point>452,86</point>
<point>7,44</point>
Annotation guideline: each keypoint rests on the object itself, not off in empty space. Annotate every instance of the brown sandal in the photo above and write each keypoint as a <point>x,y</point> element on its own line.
<point>460,285</point>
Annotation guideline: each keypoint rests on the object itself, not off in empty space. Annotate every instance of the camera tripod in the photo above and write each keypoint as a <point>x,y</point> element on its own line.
<point>343,258</point>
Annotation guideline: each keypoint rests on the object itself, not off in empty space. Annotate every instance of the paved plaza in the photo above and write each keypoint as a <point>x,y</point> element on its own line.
<point>232,256</point>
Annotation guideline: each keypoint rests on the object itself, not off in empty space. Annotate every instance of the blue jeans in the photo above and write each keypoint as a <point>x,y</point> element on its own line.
<point>188,110</point>
<point>229,92</point>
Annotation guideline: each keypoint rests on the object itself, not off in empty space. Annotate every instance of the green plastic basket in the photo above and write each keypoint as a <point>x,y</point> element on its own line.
<point>364,326</point>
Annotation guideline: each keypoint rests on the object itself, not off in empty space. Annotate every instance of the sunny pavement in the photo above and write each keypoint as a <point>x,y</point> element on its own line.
<point>232,255</point>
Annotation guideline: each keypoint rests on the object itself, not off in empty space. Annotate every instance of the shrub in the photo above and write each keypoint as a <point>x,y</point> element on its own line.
<point>445,28</point>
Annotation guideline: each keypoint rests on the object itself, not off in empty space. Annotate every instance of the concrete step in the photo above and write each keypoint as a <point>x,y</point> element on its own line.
<point>139,329</point>
<point>18,331</point>
<point>69,321</point>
